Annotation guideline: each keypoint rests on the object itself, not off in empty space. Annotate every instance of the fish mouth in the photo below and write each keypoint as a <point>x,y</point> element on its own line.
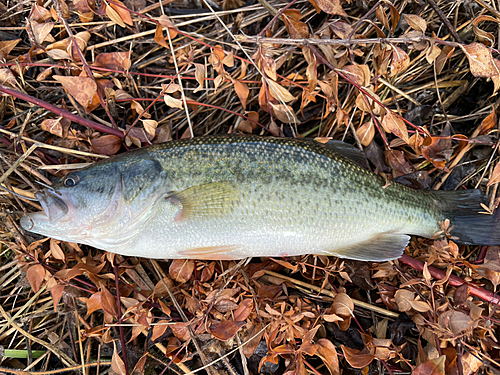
<point>54,207</point>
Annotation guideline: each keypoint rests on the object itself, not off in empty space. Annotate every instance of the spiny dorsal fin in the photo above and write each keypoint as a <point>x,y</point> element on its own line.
<point>379,248</point>
<point>205,201</point>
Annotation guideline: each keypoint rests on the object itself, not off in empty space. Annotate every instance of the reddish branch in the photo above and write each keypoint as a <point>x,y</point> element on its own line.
<point>484,294</point>
<point>62,112</point>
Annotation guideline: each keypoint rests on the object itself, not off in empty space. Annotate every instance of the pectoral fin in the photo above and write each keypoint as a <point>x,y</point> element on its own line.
<point>379,248</point>
<point>205,201</point>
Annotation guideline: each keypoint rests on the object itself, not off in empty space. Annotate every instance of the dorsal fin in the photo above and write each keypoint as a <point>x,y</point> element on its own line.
<point>350,152</point>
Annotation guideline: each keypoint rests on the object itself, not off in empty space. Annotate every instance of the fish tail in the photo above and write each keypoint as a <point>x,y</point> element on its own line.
<point>472,223</point>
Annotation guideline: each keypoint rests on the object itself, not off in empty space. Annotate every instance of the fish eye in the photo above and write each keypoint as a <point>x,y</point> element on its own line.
<point>71,180</point>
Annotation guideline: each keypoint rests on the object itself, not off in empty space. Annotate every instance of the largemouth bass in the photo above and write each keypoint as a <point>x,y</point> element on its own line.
<point>237,197</point>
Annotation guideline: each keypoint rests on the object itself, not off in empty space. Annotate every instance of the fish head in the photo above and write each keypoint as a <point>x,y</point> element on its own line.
<point>100,204</point>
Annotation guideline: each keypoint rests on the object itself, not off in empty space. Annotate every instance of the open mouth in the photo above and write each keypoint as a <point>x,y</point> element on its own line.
<point>54,208</point>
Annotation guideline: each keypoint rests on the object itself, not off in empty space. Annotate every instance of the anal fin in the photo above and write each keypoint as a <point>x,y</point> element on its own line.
<point>211,252</point>
<point>379,248</point>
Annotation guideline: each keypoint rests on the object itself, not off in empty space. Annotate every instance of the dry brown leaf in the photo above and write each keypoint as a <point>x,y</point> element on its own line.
<point>6,47</point>
<point>366,132</point>
<point>416,22</point>
<point>284,113</point>
<point>181,270</point>
<point>167,23</point>
<point>200,76</point>
<point>392,123</point>
<point>173,102</point>
<point>455,321</point>
<point>82,89</point>
<point>355,358</point>
<point>225,330</point>
<point>113,60</point>
<point>327,352</point>
<point>480,60</point>
<point>121,13</point>
<point>56,250</point>
<point>36,275</point>
<point>432,367</point>
<point>279,92</point>
<point>117,363</point>
<point>432,53</point>
<point>150,126</point>
<point>400,61</point>
<point>108,302</point>
<point>296,29</point>
<point>158,330</point>
<point>242,91</point>
<point>403,298</point>
<point>445,54</point>
<point>332,7</point>
<point>41,31</point>
<point>107,144</point>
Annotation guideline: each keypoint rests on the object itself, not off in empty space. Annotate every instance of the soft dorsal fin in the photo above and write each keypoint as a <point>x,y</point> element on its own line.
<point>205,200</point>
<point>348,151</point>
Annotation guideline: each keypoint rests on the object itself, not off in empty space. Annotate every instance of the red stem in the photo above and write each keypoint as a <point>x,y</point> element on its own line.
<point>62,112</point>
<point>484,294</point>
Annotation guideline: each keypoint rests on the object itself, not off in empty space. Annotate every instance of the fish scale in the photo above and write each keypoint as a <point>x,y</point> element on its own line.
<point>233,197</point>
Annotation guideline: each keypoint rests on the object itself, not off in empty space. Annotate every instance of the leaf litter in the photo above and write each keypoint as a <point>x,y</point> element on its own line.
<point>414,84</point>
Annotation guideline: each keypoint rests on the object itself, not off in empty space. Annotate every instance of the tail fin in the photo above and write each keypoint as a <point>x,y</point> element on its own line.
<point>463,209</point>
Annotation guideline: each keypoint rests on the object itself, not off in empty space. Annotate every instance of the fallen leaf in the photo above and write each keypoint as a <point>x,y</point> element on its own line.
<point>82,89</point>
<point>296,29</point>
<point>432,367</point>
<point>107,144</point>
<point>36,275</point>
<point>242,91</point>
<point>332,7</point>
<point>225,330</point>
<point>181,270</point>
<point>355,358</point>
<point>392,123</point>
<point>117,364</point>
<point>416,22</point>
<point>284,113</point>
<point>328,354</point>
<point>480,60</point>
<point>400,61</point>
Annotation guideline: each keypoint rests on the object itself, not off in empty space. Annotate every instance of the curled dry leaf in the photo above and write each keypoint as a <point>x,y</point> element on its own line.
<point>481,35</point>
<point>167,23</point>
<point>343,307</point>
<point>279,92</point>
<point>495,175</point>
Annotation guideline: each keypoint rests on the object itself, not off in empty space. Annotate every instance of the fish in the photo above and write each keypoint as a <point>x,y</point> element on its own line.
<point>234,197</point>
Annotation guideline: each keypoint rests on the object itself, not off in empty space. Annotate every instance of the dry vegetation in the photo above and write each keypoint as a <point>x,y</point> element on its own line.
<point>413,83</point>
